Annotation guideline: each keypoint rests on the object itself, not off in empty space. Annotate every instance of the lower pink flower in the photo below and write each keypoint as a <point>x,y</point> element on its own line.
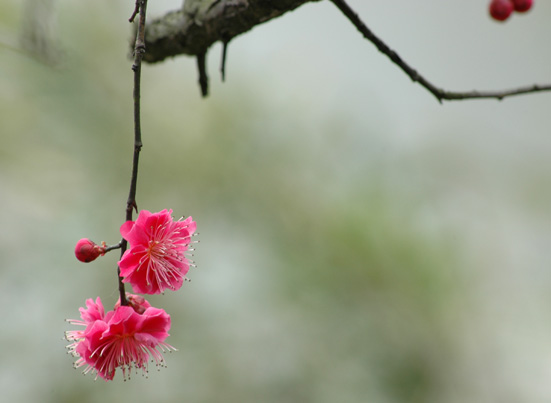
<point>123,338</point>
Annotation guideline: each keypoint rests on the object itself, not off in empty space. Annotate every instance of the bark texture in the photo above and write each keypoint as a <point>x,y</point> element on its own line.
<point>175,33</point>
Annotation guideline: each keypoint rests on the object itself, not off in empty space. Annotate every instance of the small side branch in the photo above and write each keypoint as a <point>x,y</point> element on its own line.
<point>225,43</point>
<point>439,93</point>
<point>202,68</point>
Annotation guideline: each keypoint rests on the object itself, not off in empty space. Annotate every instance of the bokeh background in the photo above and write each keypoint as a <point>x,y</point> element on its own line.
<point>359,242</point>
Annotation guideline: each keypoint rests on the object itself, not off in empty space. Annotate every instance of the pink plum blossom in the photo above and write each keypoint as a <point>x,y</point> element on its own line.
<point>122,338</point>
<point>156,259</point>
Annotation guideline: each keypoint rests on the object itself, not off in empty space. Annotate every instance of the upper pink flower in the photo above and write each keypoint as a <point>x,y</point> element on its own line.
<point>156,258</point>
<point>121,338</point>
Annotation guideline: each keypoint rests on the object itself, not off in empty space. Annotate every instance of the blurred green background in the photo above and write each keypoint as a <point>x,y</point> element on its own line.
<point>359,242</point>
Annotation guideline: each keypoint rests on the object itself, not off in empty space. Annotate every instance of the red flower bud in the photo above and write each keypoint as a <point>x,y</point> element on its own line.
<point>137,302</point>
<point>87,251</point>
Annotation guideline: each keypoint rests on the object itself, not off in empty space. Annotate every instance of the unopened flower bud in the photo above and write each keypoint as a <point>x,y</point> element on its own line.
<point>87,251</point>
<point>137,302</point>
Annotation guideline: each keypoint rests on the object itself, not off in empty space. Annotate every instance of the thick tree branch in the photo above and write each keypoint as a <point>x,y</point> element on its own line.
<point>176,33</point>
<point>439,93</point>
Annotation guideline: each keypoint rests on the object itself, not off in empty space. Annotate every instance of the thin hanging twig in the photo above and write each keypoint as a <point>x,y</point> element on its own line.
<point>139,50</point>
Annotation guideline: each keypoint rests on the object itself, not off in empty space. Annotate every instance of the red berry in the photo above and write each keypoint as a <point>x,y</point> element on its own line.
<point>522,5</point>
<point>501,9</point>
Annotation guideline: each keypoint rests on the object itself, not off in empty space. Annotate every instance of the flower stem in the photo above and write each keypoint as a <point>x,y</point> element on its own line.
<point>112,247</point>
<point>139,50</point>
